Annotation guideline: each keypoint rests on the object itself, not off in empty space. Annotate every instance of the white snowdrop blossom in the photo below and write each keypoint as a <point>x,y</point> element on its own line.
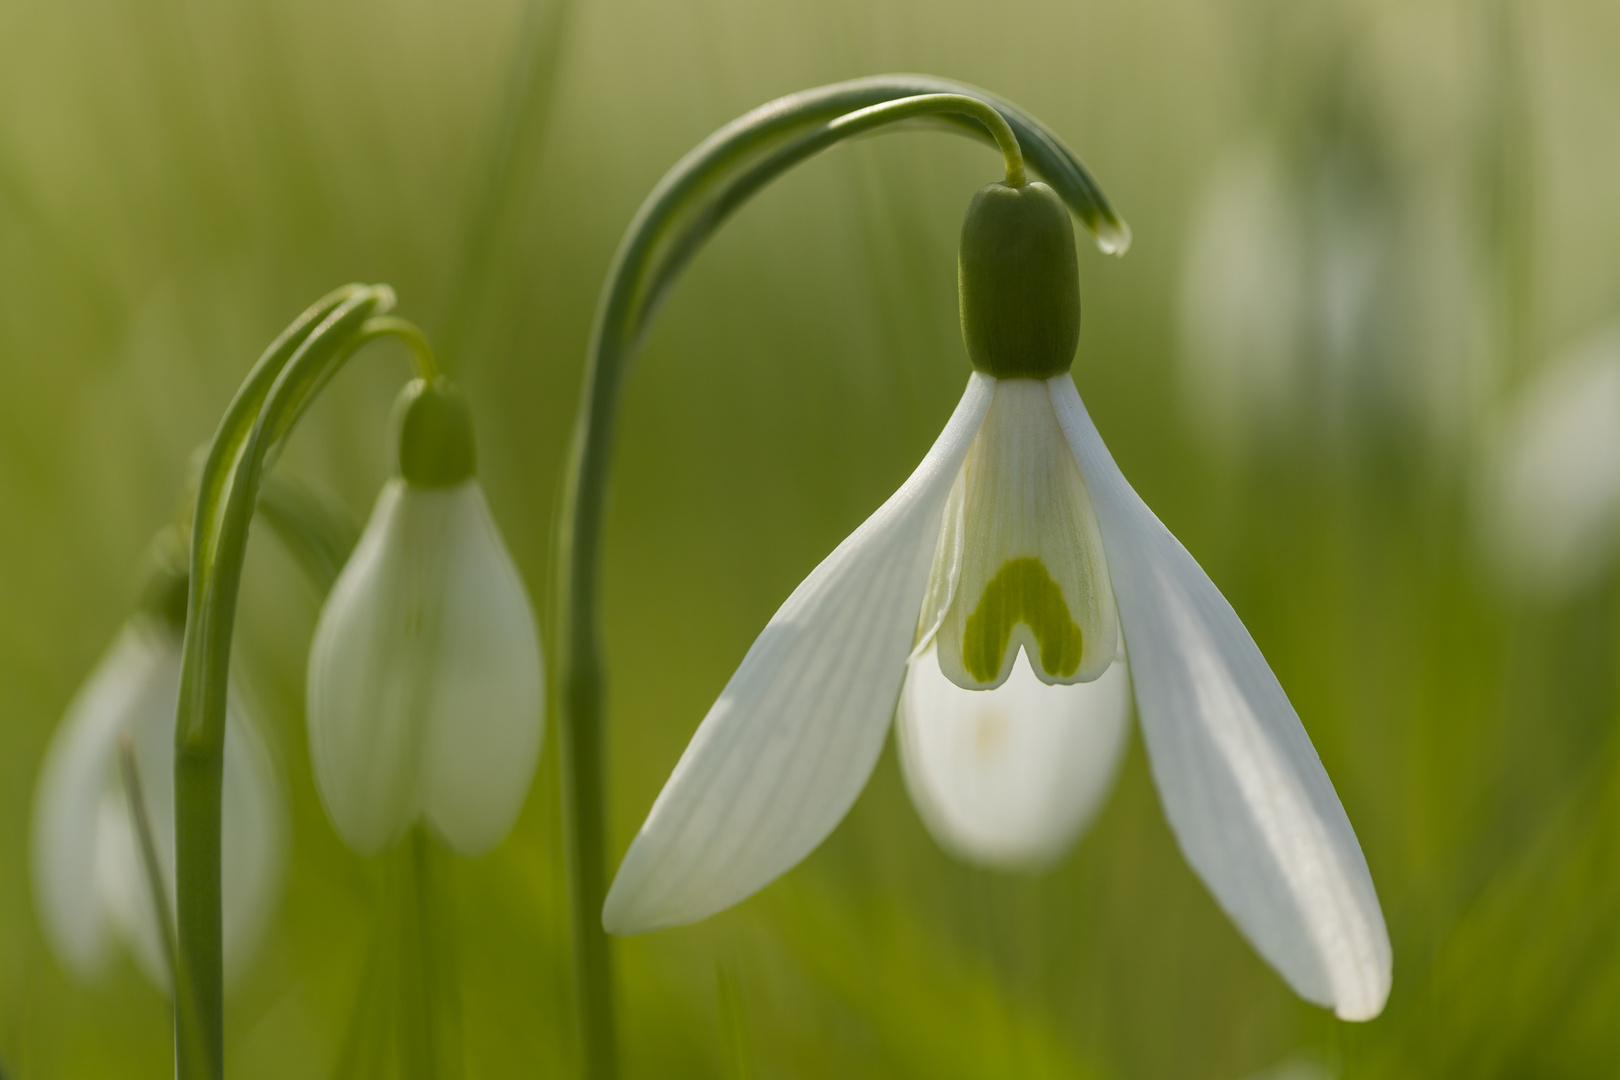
<point>89,885</point>
<point>1002,576</point>
<point>425,681</point>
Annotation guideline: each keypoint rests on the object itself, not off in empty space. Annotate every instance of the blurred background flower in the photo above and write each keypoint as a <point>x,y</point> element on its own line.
<point>1551,498</point>
<point>90,885</point>
<point>178,179</point>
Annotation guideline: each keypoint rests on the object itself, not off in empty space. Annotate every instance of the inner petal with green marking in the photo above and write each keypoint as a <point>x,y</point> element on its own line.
<point>1020,562</point>
<point>1021,592</point>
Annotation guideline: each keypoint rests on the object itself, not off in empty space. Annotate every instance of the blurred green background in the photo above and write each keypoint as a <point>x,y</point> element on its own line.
<point>178,179</point>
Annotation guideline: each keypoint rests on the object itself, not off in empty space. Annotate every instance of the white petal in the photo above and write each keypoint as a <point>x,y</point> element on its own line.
<point>783,753</point>
<point>1009,777</point>
<point>137,676</point>
<point>484,725</point>
<point>365,689</point>
<point>1022,554</point>
<point>1243,788</point>
<point>425,679</point>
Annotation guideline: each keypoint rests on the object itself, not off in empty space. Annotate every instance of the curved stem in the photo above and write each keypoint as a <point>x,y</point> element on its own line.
<point>276,393</point>
<point>890,112</point>
<point>427,368</point>
<point>692,200</point>
<point>152,871</point>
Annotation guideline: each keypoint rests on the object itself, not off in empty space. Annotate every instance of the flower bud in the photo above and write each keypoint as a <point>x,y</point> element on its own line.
<point>425,681</point>
<point>434,432</point>
<point>1018,281</point>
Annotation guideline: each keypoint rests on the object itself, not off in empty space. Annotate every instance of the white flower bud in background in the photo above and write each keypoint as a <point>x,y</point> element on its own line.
<point>89,885</point>
<point>425,681</point>
<point>1550,516</point>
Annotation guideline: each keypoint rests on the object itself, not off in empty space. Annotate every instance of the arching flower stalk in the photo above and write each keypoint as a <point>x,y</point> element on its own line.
<point>413,610</point>
<point>1017,536</point>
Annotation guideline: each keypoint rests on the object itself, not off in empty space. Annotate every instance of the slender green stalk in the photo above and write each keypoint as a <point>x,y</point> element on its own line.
<point>415,1022</point>
<point>152,871</point>
<point>275,395</point>
<point>692,200</point>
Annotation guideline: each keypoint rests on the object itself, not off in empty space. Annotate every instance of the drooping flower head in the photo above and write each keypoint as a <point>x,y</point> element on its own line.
<point>425,679</point>
<point>90,887</point>
<point>1003,576</point>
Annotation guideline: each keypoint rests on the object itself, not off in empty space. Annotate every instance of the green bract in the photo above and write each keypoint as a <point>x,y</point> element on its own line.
<point>1019,282</point>
<point>434,425</point>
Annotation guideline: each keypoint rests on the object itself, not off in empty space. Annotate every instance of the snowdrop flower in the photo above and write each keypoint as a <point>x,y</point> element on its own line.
<point>1552,503</point>
<point>89,885</point>
<point>425,683</point>
<point>1017,542</point>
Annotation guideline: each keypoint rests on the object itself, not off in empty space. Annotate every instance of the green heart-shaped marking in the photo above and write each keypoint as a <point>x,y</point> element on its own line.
<point>1021,592</point>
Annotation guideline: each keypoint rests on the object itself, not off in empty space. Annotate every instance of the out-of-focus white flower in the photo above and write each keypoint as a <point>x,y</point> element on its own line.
<point>425,682</point>
<point>1285,289</point>
<point>1242,294</point>
<point>1551,508</point>
<point>89,885</point>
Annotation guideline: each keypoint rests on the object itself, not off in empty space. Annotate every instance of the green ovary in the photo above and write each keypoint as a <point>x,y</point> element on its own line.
<point>1021,592</point>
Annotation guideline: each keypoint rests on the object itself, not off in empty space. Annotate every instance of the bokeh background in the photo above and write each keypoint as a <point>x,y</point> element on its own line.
<point>1364,230</point>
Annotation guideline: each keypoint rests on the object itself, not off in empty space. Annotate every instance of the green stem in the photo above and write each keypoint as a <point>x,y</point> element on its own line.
<point>692,200</point>
<point>152,871</point>
<point>416,1023</point>
<point>275,395</point>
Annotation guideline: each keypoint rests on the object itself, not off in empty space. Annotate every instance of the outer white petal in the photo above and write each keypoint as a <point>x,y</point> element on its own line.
<point>366,669</point>
<point>1243,788</point>
<point>424,683</point>
<point>135,676</point>
<point>1009,777</point>
<point>783,753</point>
<point>482,738</point>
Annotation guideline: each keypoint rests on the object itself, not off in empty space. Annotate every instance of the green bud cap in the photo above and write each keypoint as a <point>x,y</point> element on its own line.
<point>434,425</point>
<point>1019,282</point>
